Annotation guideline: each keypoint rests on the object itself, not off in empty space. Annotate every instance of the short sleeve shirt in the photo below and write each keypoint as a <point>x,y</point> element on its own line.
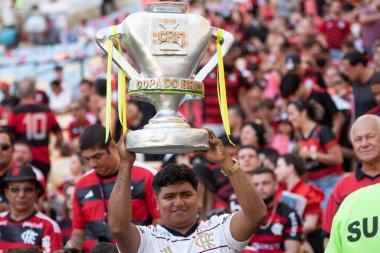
<point>355,225</point>
<point>213,235</point>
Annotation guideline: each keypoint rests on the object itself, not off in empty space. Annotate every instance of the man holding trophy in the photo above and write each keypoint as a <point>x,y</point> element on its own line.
<point>166,44</point>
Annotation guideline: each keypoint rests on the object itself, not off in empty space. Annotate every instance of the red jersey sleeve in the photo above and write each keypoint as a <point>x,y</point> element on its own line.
<point>78,218</point>
<point>52,239</point>
<point>314,198</point>
<point>332,208</point>
<point>293,227</point>
<point>151,197</point>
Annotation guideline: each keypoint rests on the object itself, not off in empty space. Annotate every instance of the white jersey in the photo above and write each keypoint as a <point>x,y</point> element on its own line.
<point>212,236</point>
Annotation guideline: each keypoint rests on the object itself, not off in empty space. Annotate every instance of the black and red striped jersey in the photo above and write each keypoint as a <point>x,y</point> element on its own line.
<point>211,110</point>
<point>319,140</point>
<point>34,123</point>
<point>91,197</point>
<point>281,224</point>
<point>36,230</point>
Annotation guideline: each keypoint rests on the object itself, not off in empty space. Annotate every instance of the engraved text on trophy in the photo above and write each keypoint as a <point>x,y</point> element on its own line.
<point>169,36</point>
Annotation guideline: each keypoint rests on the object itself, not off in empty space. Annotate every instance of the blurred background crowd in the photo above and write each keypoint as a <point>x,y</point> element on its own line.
<point>298,75</point>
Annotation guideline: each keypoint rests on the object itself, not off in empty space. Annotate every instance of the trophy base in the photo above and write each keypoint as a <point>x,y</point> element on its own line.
<point>167,141</point>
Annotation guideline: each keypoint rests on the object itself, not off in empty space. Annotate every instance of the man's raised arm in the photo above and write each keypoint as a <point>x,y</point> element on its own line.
<point>253,210</point>
<point>120,210</point>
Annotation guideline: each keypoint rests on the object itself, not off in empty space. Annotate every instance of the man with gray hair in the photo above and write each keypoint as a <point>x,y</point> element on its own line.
<point>365,136</point>
<point>33,123</point>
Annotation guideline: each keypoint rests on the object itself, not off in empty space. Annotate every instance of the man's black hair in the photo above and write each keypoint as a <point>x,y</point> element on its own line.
<point>296,161</point>
<point>55,83</point>
<point>355,57</point>
<point>94,137</point>
<point>104,247</point>
<point>101,87</point>
<point>86,81</point>
<point>173,174</point>
<point>264,170</point>
<point>289,85</point>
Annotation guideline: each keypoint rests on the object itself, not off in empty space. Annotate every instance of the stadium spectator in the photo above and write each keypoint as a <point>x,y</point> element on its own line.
<point>354,65</point>
<point>253,134</point>
<point>318,146</point>
<point>6,152</point>
<point>59,98</point>
<point>365,137</point>
<point>78,111</point>
<point>290,170</point>
<point>249,158</point>
<point>335,29</point>
<point>33,122</point>
<point>23,225</point>
<point>370,24</point>
<point>93,190</point>
<point>66,216</point>
<point>326,111</point>
<point>281,230</point>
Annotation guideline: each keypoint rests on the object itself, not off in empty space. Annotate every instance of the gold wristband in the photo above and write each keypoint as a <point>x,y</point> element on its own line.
<point>232,170</point>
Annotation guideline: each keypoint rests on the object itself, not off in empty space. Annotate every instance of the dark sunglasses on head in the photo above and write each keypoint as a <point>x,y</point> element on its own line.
<point>4,146</point>
<point>17,189</point>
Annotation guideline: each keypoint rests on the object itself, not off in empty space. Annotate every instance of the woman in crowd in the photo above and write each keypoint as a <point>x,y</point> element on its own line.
<point>252,134</point>
<point>318,146</point>
<point>290,170</point>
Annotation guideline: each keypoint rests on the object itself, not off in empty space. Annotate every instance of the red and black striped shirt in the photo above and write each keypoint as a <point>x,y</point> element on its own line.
<point>36,230</point>
<point>34,123</point>
<point>284,224</point>
<point>211,110</point>
<point>320,140</point>
<point>91,197</point>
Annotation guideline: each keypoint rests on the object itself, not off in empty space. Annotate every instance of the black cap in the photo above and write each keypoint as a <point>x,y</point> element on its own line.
<point>292,60</point>
<point>19,174</point>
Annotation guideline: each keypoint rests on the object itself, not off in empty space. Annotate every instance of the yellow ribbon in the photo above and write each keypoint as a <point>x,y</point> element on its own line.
<point>109,90</point>
<point>121,89</point>
<point>221,87</point>
<point>122,104</point>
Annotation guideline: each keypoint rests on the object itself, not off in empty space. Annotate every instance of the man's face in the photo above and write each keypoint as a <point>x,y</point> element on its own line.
<point>6,151</point>
<point>22,154</point>
<point>376,92</point>
<point>353,72</point>
<point>335,8</point>
<point>265,185</point>
<point>103,162</point>
<point>365,140</point>
<point>249,160</point>
<point>178,205</point>
<point>78,112</point>
<point>21,195</point>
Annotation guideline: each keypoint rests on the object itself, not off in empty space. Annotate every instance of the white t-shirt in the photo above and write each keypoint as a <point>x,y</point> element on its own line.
<point>213,236</point>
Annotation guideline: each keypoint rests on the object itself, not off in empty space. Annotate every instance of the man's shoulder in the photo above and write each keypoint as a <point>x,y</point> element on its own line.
<point>83,180</point>
<point>48,222</point>
<point>367,193</point>
<point>31,108</point>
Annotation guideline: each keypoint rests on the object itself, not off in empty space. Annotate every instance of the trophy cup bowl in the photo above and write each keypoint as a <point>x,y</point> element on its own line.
<point>166,45</point>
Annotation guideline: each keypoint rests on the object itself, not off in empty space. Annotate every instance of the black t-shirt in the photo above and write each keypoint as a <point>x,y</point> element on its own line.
<point>323,105</point>
<point>363,97</point>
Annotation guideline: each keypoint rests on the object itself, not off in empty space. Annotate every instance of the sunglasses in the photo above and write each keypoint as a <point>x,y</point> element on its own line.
<point>4,146</point>
<point>16,189</point>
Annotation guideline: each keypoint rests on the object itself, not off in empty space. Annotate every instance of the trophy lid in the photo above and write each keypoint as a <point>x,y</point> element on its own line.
<point>167,7</point>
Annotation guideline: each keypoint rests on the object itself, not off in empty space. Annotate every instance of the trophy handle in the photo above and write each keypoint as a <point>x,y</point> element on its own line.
<point>227,42</point>
<point>102,38</point>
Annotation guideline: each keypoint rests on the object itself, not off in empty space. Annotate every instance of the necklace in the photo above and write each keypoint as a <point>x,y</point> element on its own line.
<point>263,227</point>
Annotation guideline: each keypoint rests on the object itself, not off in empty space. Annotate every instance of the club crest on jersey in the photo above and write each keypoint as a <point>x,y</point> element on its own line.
<point>205,241</point>
<point>29,237</point>
<point>277,228</point>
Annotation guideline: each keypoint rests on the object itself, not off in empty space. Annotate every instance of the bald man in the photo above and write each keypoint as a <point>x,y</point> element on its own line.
<point>365,137</point>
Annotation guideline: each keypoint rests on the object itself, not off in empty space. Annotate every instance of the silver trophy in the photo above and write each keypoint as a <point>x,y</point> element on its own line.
<point>166,45</point>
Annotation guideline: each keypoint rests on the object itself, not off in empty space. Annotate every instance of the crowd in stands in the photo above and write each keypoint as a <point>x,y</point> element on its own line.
<point>298,76</point>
